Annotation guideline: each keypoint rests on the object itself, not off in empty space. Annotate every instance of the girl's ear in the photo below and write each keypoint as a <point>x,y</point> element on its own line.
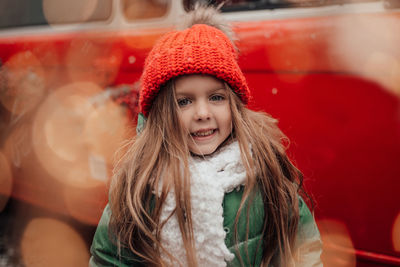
<point>141,123</point>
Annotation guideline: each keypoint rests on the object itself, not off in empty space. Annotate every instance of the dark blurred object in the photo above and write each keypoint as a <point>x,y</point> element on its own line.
<point>392,4</point>
<point>243,5</point>
<point>20,13</point>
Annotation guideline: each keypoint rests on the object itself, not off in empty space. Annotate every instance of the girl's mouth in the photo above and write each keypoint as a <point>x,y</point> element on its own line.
<point>203,133</point>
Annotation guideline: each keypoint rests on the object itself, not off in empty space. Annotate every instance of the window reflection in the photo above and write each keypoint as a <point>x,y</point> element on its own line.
<point>242,5</point>
<point>75,11</point>
<point>145,9</point>
<point>20,13</point>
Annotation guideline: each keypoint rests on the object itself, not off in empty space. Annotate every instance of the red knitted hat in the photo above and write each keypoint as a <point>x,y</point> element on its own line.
<point>200,49</point>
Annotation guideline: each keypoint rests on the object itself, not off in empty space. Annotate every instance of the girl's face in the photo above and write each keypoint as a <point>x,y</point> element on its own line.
<point>205,112</point>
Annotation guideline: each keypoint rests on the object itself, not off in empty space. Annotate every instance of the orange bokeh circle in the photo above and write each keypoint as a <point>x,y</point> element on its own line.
<point>85,205</point>
<point>338,248</point>
<point>50,242</point>
<point>396,233</point>
<point>76,132</point>
<point>6,181</point>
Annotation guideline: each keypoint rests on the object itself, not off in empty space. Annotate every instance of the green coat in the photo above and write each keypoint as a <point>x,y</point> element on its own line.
<point>104,252</point>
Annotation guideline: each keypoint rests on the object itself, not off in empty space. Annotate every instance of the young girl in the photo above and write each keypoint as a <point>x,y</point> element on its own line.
<point>206,182</point>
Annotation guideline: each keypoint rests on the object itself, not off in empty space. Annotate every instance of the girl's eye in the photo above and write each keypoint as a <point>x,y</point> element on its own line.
<point>183,102</point>
<point>217,98</point>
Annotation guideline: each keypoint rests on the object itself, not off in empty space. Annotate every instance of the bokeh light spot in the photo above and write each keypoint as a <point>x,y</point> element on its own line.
<point>105,130</point>
<point>64,127</point>
<point>58,133</point>
<point>385,69</point>
<point>86,204</point>
<point>6,181</point>
<point>396,233</point>
<point>368,46</point>
<point>49,242</point>
<point>338,248</point>
<point>77,130</point>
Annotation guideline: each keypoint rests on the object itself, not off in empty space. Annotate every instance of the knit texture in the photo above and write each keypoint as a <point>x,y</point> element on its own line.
<point>211,178</point>
<point>201,49</point>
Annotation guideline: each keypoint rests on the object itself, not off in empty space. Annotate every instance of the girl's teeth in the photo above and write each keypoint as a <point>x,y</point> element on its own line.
<point>203,133</point>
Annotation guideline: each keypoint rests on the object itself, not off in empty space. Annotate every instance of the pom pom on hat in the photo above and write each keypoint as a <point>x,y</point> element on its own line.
<point>200,49</point>
<point>209,16</point>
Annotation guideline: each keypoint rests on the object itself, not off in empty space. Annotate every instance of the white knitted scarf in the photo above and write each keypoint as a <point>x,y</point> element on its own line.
<point>211,178</point>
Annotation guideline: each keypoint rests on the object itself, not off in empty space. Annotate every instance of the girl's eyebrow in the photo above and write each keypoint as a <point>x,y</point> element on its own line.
<point>183,94</point>
<point>211,91</point>
<point>219,88</point>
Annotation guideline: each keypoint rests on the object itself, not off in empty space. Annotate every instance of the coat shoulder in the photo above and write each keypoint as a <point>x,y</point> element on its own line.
<point>104,249</point>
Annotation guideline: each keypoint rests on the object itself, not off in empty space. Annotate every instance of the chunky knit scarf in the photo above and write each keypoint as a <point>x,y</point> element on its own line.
<point>211,178</point>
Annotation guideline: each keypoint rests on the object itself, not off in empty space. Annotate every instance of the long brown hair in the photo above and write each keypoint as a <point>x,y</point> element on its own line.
<point>158,158</point>
<point>270,170</point>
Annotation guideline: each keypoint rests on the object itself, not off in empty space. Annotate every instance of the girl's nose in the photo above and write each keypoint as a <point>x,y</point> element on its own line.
<point>202,111</point>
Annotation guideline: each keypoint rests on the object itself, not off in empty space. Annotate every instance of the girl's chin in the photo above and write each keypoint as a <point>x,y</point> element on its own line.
<point>203,150</point>
<point>201,153</point>
<point>208,149</point>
